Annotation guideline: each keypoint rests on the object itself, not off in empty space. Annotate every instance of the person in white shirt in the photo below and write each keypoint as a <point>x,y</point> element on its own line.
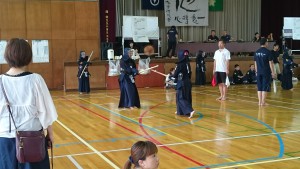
<point>30,101</point>
<point>221,68</point>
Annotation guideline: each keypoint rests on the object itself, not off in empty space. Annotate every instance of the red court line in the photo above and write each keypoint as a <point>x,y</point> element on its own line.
<point>140,121</point>
<point>159,143</point>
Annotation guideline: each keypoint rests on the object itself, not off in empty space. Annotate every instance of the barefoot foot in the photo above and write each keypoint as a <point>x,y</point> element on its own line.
<point>219,98</point>
<point>191,114</point>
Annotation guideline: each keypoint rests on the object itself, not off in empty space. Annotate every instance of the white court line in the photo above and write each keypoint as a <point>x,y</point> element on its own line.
<point>271,105</point>
<point>74,162</point>
<point>81,154</point>
<point>262,162</point>
<point>188,142</point>
<point>250,97</point>
<point>88,145</point>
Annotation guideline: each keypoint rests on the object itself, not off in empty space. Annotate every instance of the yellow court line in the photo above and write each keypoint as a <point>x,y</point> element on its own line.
<point>88,145</point>
<point>262,162</point>
<point>201,148</point>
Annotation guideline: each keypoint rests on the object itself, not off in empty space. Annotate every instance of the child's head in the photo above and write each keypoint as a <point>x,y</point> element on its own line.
<point>252,67</point>
<point>237,67</point>
<point>143,155</point>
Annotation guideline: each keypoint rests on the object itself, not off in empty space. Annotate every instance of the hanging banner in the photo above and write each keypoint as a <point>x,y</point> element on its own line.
<point>215,5</point>
<point>186,12</point>
<point>153,4</point>
<point>107,20</point>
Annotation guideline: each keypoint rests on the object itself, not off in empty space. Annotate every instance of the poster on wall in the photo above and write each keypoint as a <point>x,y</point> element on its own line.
<point>186,13</point>
<point>3,44</point>
<point>40,51</point>
<point>296,30</point>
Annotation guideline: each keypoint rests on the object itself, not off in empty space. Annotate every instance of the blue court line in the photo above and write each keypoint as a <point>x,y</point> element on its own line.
<point>105,140</point>
<point>128,119</point>
<point>181,124</point>
<point>281,145</point>
<point>158,133</point>
<point>136,122</point>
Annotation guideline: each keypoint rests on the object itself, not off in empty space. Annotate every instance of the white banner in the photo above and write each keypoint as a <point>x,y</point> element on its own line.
<point>186,12</point>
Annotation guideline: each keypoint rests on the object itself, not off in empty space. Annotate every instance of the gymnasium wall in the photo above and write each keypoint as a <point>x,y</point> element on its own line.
<point>70,26</point>
<point>272,14</point>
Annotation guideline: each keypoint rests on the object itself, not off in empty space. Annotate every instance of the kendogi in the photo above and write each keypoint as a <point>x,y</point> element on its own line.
<point>200,68</point>
<point>182,78</point>
<point>83,73</point>
<point>129,96</point>
<point>287,73</point>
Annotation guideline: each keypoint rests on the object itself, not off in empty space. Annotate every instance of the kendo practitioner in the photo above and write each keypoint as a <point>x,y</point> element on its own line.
<point>83,73</point>
<point>200,68</point>
<point>129,97</point>
<point>186,54</point>
<point>287,73</point>
<point>181,75</point>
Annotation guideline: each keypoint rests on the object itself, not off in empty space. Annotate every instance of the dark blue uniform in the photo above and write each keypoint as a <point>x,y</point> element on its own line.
<point>200,69</point>
<point>250,76</point>
<point>129,96</point>
<point>172,41</point>
<point>84,80</point>
<point>262,57</point>
<point>287,73</point>
<point>183,88</point>
<point>236,79</point>
<point>226,38</point>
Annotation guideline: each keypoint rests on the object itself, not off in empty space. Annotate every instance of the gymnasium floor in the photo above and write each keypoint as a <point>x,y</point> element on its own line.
<point>92,133</point>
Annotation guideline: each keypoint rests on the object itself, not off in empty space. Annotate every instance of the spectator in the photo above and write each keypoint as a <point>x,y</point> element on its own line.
<point>212,37</point>
<point>237,75</point>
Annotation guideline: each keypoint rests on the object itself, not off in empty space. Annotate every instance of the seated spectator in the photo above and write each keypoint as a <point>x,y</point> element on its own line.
<point>212,37</point>
<point>256,37</point>
<point>237,75</point>
<point>250,76</point>
<point>169,79</point>
<point>270,37</point>
<point>225,37</point>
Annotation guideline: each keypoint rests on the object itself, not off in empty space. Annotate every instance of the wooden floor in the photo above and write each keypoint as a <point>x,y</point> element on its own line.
<point>92,133</point>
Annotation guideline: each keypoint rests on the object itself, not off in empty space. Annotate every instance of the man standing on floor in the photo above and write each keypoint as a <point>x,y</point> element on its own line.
<point>172,36</point>
<point>265,71</point>
<point>221,68</point>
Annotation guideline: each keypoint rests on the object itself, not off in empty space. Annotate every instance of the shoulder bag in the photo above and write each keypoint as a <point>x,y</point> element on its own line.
<point>30,145</point>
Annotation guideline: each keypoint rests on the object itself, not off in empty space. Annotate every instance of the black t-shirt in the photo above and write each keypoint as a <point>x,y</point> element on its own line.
<point>213,38</point>
<point>262,57</point>
<point>172,34</point>
<point>275,55</point>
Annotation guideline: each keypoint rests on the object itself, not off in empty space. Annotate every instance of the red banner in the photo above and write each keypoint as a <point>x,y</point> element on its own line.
<point>108,20</point>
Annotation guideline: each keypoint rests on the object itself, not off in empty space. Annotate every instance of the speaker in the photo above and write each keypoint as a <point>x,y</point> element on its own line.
<point>104,47</point>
